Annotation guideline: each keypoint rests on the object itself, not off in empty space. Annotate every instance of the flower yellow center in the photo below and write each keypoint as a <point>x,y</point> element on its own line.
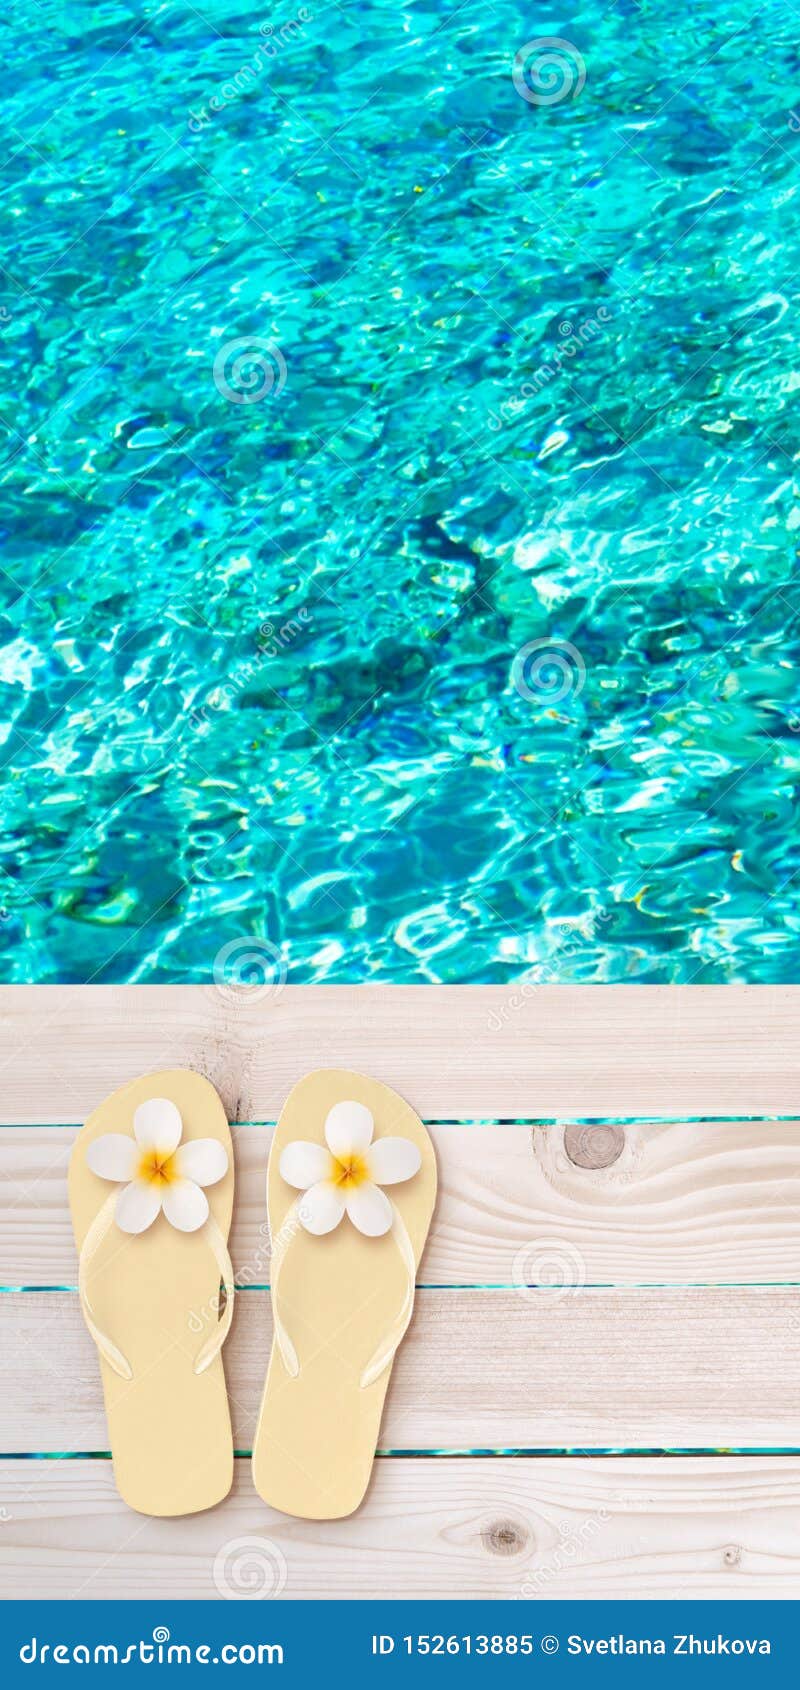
<point>157,1167</point>
<point>349,1171</point>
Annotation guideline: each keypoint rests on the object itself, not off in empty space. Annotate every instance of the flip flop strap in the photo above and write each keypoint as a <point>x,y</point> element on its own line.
<point>110,1352</point>
<point>98,1230</point>
<point>384,1354</point>
<point>280,1244</point>
<point>213,1345</point>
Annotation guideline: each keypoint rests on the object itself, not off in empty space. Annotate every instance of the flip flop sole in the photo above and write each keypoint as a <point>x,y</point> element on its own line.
<point>156,1294</point>
<point>339,1296</point>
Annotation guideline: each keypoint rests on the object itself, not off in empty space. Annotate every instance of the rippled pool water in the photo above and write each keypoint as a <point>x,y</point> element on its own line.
<point>399,524</point>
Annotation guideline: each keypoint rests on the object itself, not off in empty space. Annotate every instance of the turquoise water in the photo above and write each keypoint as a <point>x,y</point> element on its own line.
<point>399,568</point>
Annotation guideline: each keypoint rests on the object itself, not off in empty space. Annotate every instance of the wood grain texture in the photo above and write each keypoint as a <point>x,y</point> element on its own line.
<point>589,1369</point>
<point>679,1203</point>
<point>496,1528</point>
<point>595,1362</point>
<point>460,1051</point>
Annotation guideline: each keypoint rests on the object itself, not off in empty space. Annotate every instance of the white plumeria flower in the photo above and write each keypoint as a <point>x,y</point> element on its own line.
<point>159,1172</point>
<point>347,1175</point>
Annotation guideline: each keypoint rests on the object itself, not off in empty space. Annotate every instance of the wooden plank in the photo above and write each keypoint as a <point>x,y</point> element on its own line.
<point>497,1528</point>
<point>461,1051</point>
<point>679,1203</point>
<point>585,1369</point>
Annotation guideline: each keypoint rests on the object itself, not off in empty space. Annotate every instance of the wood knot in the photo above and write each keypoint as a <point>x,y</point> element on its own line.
<point>504,1537</point>
<point>732,1555</point>
<point>594,1146</point>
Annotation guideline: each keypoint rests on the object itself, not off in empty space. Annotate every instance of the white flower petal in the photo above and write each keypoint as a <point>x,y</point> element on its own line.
<point>203,1160</point>
<point>348,1129</point>
<point>113,1156</point>
<point>321,1208</point>
<point>392,1159</point>
<point>185,1205</point>
<point>157,1125</point>
<point>303,1164</point>
<point>138,1205</point>
<point>369,1209</point>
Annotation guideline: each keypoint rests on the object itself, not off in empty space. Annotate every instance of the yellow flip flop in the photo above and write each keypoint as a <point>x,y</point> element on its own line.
<point>156,1284</point>
<point>345,1251</point>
